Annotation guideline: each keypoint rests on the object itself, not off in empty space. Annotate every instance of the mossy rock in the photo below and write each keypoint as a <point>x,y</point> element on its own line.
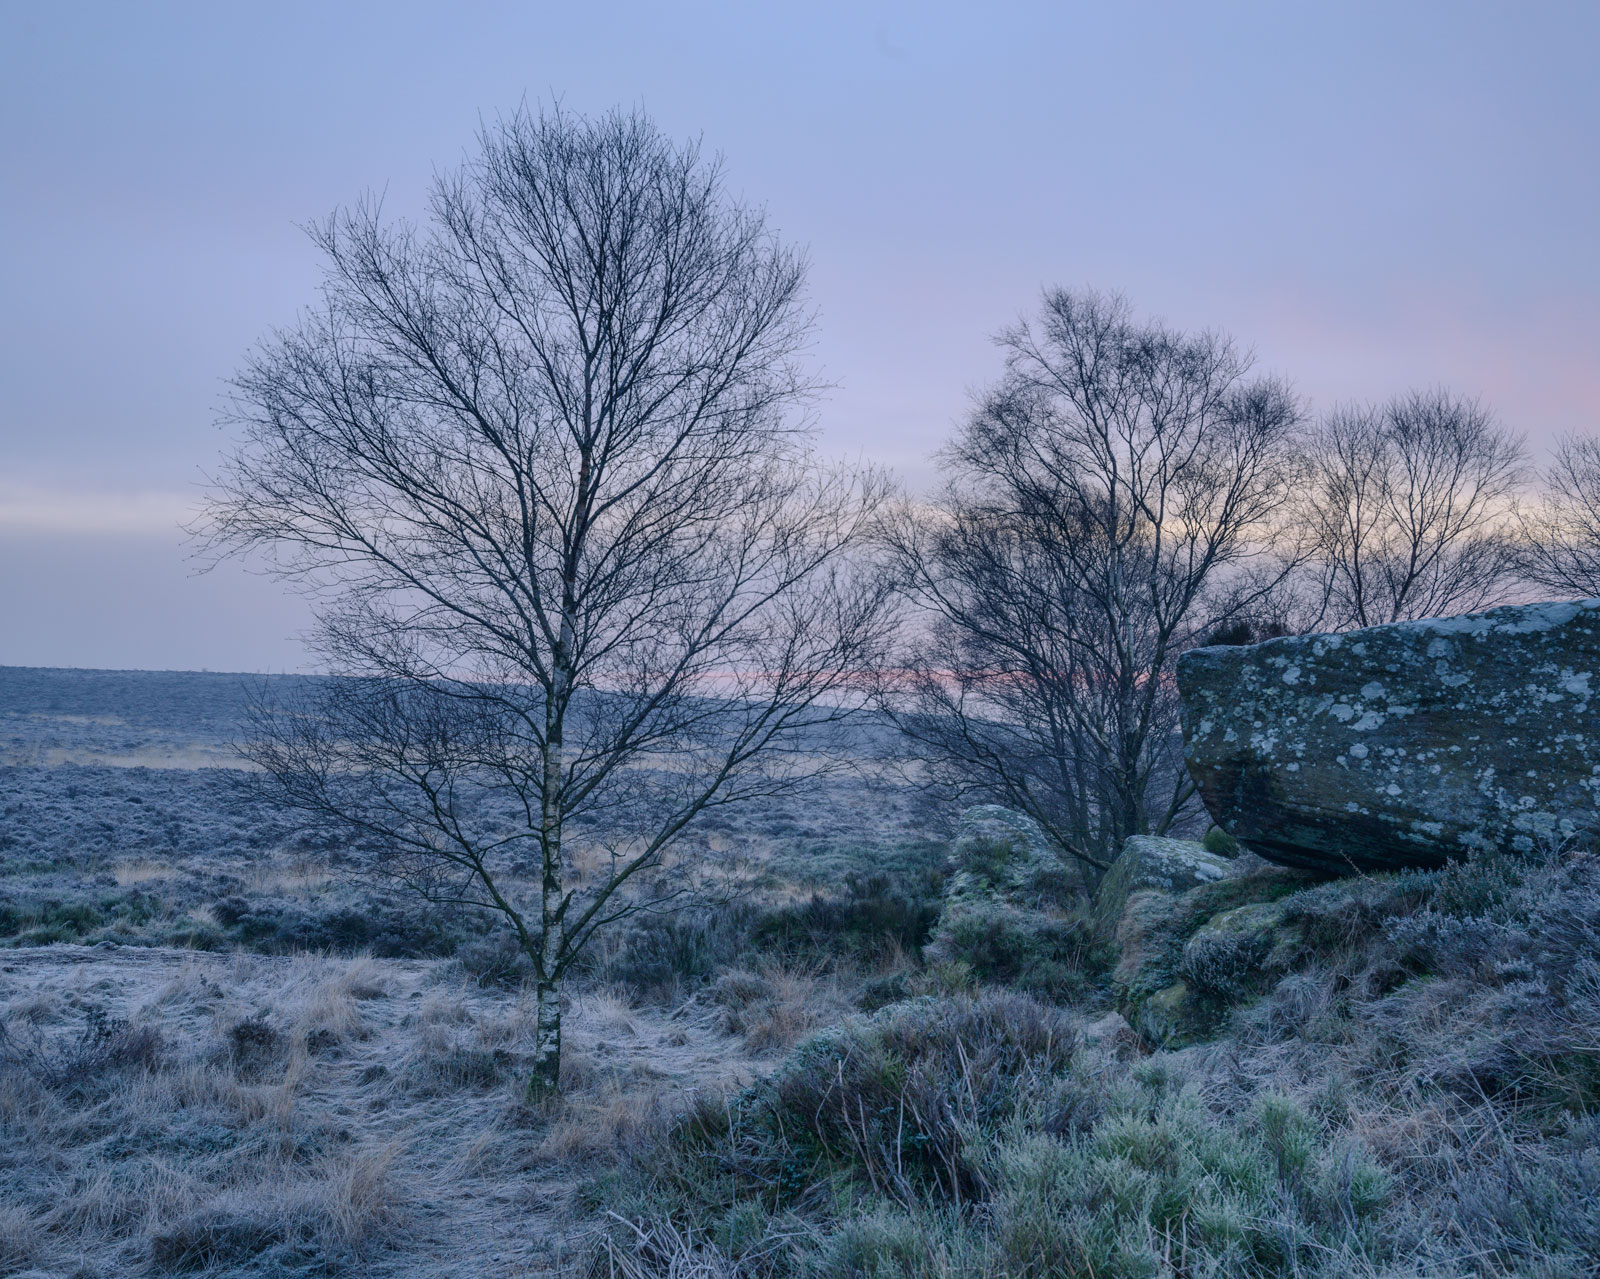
<point>1153,863</point>
<point>1241,952</point>
<point>1183,959</point>
<point>1013,911</point>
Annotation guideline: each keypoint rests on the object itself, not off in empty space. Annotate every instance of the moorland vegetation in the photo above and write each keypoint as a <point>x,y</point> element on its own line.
<point>607,912</point>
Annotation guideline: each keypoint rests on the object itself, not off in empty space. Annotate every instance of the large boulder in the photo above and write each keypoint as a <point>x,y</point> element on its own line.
<point>1402,745</point>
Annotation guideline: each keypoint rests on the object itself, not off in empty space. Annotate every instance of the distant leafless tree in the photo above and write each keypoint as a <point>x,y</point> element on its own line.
<point>1561,532</point>
<point>1114,500</point>
<point>539,464</point>
<point>1408,503</point>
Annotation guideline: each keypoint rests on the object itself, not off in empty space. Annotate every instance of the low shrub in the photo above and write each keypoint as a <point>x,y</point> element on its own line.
<point>875,917</point>
<point>103,1046</point>
<point>41,921</point>
<point>658,954</point>
<point>388,930</point>
<point>1045,955</point>
<point>496,961</point>
<point>888,1103</point>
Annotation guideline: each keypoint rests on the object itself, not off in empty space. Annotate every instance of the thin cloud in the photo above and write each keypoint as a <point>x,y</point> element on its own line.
<point>46,510</point>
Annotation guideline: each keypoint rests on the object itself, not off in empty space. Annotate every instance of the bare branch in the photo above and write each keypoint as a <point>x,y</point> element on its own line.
<point>1561,532</point>
<point>1120,495</point>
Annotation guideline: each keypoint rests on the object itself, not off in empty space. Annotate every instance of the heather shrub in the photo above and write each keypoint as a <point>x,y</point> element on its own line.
<point>253,1046</point>
<point>496,960</point>
<point>103,1046</point>
<point>885,1103</point>
<point>659,954</point>
<point>875,917</point>
<point>388,930</point>
<point>40,921</point>
<point>1053,957</point>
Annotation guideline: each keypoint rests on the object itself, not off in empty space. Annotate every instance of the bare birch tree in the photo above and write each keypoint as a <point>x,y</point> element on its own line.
<point>1561,532</point>
<point>1115,499</point>
<point>539,463</point>
<point>1409,505</point>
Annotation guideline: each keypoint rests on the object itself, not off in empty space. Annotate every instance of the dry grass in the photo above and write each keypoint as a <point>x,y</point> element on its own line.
<point>770,1007</point>
<point>294,875</point>
<point>142,872</point>
<point>310,1115</point>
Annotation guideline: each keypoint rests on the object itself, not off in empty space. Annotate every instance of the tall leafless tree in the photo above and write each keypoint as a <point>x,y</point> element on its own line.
<point>1115,499</point>
<point>1561,531</point>
<point>1409,505</point>
<point>539,463</point>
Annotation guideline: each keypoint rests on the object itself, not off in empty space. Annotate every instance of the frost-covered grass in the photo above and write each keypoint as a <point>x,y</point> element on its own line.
<point>1420,1094</point>
<point>281,1068</point>
<point>175,1113</point>
<point>93,850</point>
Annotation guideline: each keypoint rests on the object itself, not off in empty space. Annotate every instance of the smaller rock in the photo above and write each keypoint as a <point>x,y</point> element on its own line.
<point>1181,959</point>
<point>1111,1033</point>
<point>1012,911</point>
<point>1151,863</point>
<point>1237,951</point>
<point>1003,855</point>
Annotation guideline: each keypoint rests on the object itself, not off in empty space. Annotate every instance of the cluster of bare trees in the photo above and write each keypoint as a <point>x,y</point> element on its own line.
<point>541,464</point>
<point>1408,508</point>
<point>1124,493</point>
<point>1117,497</point>
<point>1561,531</point>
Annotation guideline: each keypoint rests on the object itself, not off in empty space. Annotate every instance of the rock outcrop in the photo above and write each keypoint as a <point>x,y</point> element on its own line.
<point>1012,908</point>
<point>1181,958</point>
<point>1402,745</point>
<point>1002,856</point>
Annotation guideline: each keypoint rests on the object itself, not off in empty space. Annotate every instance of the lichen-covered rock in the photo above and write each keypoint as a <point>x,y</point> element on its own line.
<point>1402,745</point>
<point>1151,863</point>
<point>1012,911</point>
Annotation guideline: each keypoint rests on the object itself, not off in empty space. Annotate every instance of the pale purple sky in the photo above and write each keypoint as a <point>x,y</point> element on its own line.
<point>1372,195</point>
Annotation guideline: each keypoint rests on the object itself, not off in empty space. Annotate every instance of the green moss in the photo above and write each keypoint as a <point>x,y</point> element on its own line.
<point>1221,843</point>
<point>1186,959</point>
<point>1150,862</point>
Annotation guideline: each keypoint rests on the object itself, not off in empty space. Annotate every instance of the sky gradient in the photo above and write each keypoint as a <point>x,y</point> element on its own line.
<point>1372,196</point>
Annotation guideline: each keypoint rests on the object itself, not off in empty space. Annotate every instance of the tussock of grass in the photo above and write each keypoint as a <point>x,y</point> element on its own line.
<point>978,1136</point>
<point>774,1007</point>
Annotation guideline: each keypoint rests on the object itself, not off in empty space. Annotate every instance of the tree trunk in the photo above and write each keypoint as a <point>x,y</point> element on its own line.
<point>546,1077</point>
